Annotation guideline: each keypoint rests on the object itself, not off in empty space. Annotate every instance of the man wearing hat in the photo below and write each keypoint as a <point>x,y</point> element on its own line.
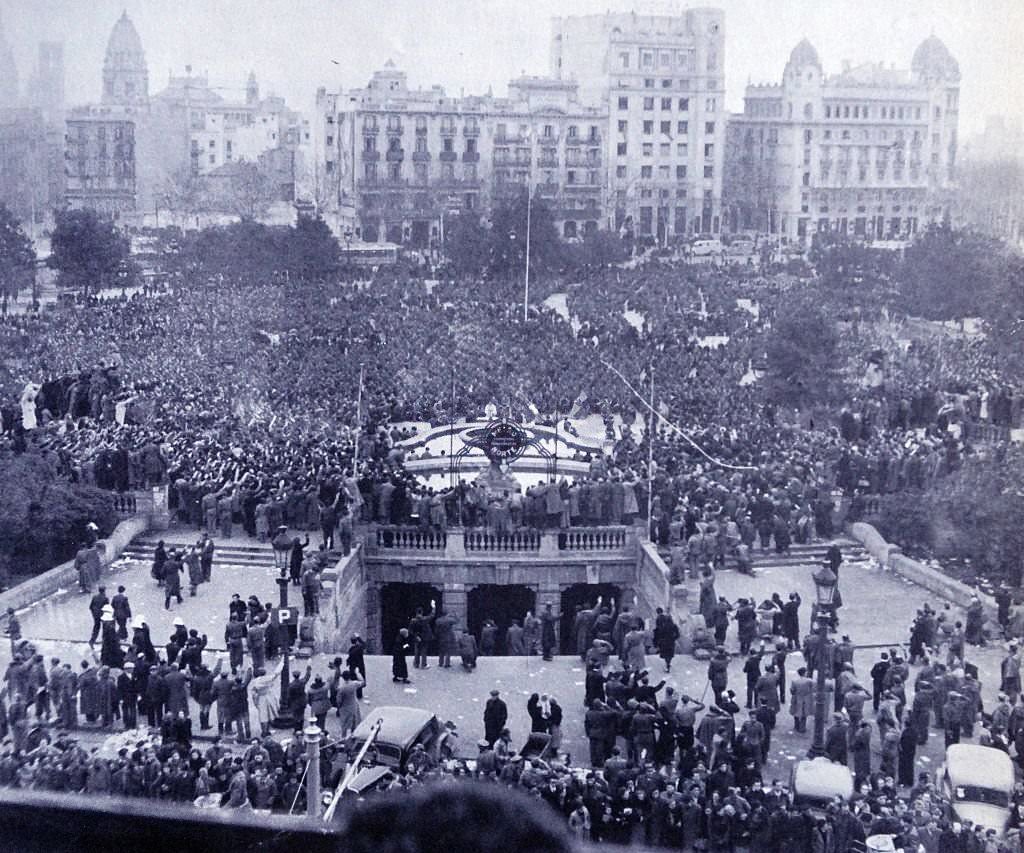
<point>96,605</point>
<point>487,760</point>
<point>495,717</point>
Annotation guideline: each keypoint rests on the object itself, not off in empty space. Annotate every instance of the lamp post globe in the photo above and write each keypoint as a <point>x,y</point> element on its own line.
<point>825,583</point>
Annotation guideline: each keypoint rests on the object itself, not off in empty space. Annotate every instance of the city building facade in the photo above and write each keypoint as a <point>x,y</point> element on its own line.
<point>185,133</point>
<point>393,163</point>
<point>662,80</point>
<point>869,152</point>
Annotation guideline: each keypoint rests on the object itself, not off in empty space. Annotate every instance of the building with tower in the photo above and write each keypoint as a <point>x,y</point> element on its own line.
<point>869,152</point>
<point>662,80</point>
<point>125,73</point>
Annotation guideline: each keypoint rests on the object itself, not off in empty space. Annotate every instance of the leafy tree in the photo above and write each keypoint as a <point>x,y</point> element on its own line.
<point>467,243</point>
<point>599,249</point>
<point>88,251</point>
<point>844,262</point>
<point>508,237</point>
<point>17,257</point>
<point>43,517</point>
<point>802,350</point>
<point>949,273</point>
<point>313,251</point>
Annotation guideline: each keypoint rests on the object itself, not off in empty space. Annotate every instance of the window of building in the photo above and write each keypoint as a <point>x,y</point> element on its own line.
<point>620,149</point>
<point>570,176</point>
<point>448,143</point>
<point>624,59</point>
<point>574,131</point>
<point>666,103</point>
<point>806,181</point>
<point>846,135</point>
<point>666,84</point>
<point>623,103</point>
<point>420,173</point>
<point>664,173</point>
<point>709,151</point>
<point>682,149</point>
<point>680,172</point>
<point>666,128</point>
<point>448,171</point>
<point>623,126</point>
<point>646,171</point>
<point>470,146</point>
<point>808,111</point>
<point>620,171</point>
<point>684,105</point>
<point>648,149</point>
<point>709,105</point>
<point>648,128</point>
<point>773,135</point>
<point>421,144</point>
<point>665,149</point>
<point>370,171</point>
<point>648,104</point>
<point>682,128</point>
<point>648,82</point>
<point>329,167</point>
<point>938,112</point>
<point>709,128</point>
<point>394,171</point>
<point>647,58</point>
<point>709,171</point>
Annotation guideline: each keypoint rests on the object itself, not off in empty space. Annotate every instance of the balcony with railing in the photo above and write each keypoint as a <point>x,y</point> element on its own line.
<point>618,542</point>
<point>448,156</point>
<point>395,155</point>
<point>470,156</point>
<point>509,137</point>
<point>395,129</point>
<point>421,156</point>
<point>471,130</point>
<point>546,162</point>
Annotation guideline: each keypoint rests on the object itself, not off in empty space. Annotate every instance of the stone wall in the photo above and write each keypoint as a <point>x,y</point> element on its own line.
<point>893,559</point>
<point>64,576</point>
<point>345,610</point>
<point>653,588</point>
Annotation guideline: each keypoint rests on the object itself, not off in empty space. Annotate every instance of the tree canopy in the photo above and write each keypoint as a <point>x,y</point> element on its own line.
<point>87,250</point>
<point>17,256</point>
<point>802,350</point>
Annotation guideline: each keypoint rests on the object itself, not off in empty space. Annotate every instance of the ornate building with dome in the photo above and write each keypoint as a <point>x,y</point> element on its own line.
<point>869,152</point>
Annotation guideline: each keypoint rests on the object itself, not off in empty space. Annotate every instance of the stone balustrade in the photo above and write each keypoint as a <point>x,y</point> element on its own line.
<point>594,538</point>
<point>479,539</point>
<point>411,538</point>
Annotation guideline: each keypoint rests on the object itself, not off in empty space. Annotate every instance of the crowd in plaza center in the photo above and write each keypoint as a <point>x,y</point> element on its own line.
<point>261,412</point>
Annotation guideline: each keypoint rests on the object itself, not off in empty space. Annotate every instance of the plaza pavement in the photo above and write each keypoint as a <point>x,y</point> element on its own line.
<point>879,607</point>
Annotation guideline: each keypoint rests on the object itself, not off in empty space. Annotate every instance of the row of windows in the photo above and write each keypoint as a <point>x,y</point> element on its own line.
<point>421,172</point>
<point>665,127</point>
<point>683,60</point>
<point>665,149</point>
<point>887,112</point>
<point>683,104</point>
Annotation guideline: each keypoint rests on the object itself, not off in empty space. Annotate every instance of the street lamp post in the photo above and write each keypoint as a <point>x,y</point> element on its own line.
<point>825,582</point>
<point>282,546</point>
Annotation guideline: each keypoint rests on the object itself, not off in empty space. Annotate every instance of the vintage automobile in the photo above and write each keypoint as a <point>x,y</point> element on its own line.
<point>401,729</point>
<point>978,781</point>
<point>816,782</point>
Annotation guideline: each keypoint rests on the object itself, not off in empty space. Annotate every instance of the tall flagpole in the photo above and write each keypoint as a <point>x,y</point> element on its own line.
<point>650,463</point>
<point>359,419</point>
<point>451,436</point>
<point>529,206</point>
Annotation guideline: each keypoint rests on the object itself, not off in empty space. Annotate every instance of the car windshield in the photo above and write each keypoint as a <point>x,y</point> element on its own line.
<point>386,753</point>
<point>987,796</point>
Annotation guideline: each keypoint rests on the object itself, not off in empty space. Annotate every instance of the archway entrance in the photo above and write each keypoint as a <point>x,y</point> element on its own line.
<point>499,602</point>
<point>584,595</point>
<point>398,603</point>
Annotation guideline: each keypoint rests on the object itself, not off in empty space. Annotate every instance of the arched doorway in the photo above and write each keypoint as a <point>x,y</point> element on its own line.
<point>584,595</point>
<point>398,603</point>
<point>499,602</point>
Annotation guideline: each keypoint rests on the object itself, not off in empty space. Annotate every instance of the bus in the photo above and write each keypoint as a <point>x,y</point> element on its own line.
<point>369,254</point>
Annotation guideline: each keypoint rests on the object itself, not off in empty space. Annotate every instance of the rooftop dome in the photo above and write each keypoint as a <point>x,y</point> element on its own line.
<point>932,57</point>
<point>804,54</point>
<point>124,39</point>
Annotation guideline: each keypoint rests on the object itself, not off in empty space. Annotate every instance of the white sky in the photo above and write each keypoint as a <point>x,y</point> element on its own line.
<point>472,44</point>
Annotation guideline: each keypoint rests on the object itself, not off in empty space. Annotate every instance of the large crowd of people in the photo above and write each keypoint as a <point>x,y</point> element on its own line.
<point>260,409</point>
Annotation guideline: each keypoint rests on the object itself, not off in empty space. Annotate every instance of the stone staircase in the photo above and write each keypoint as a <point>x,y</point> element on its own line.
<point>799,556</point>
<point>242,554</point>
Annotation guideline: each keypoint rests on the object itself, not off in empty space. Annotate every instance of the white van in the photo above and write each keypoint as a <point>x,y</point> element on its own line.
<point>978,782</point>
<point>702,248</point>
